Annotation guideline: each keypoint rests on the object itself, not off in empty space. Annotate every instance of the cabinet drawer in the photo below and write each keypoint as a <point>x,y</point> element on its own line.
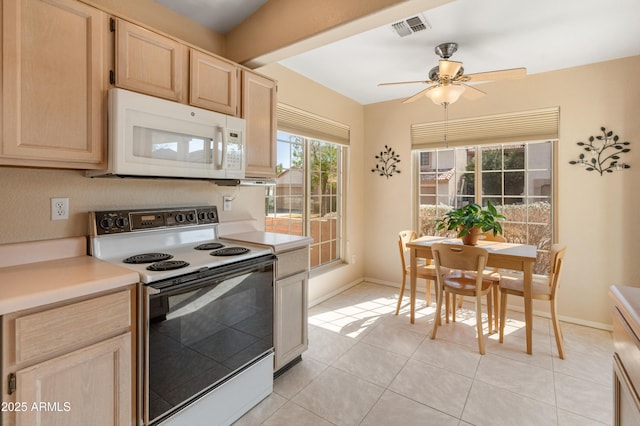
<point>292,262</point>
<point>69,326</point>
<point>626,345</point>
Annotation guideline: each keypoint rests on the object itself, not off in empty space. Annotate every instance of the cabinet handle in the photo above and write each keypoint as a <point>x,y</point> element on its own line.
<point>12,383</point>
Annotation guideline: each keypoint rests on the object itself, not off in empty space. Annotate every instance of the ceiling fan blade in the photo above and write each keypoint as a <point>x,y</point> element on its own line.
<point>510,74</point>
<point>417,95</point>
<point>448,68</point>
<point>471,93</point>
<point>406,82</point>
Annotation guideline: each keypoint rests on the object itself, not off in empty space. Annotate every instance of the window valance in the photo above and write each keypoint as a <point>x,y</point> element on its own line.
<point>540,124</point>
<point>303,123</point>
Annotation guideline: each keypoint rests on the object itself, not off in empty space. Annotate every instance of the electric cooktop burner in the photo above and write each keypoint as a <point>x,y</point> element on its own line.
<point>167,265</point>
<point>229,251</point>
<point>147,258</point>
<point>209,246</point>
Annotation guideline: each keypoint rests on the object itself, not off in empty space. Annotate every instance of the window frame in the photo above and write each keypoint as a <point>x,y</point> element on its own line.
<point>337,240</point>
<point>478,195</point>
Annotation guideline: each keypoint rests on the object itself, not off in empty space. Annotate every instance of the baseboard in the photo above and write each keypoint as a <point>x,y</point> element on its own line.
<point>335,292</point>
<point>543,314</point>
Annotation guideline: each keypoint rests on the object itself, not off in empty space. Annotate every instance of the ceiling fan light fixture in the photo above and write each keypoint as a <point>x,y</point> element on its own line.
<point>445,94</point>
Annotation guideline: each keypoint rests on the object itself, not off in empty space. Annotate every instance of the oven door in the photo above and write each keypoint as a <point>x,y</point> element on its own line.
<point>202,330</point>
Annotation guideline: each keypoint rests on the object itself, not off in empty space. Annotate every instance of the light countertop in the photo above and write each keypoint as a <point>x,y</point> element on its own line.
<point>279,242</point>
<point>31,284</point>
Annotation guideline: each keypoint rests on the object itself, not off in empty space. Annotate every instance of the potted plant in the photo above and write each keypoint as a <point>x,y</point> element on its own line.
<point>471,220</point>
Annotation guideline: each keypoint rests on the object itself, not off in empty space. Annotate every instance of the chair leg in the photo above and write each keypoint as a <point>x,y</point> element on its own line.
<point>404,282</point>
<point>447,307</point>
<point>496,306</point>
<point>556,328</point>
<point>479,324</point>
<point>460,302</point>
<point>437,320</point>
<point>428,297</point>
<point>490,312</point>
<point>453,306</point>
<point>503,313</point>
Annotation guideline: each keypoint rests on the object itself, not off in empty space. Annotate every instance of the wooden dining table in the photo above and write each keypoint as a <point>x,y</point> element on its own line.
<point>516,257</point>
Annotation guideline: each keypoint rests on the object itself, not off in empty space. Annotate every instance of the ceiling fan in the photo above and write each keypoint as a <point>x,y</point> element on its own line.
<point>448,79</point>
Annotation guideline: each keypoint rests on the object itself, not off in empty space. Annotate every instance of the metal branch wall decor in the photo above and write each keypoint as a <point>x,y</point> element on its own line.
<point>605,151</point>
<point>387,162</point>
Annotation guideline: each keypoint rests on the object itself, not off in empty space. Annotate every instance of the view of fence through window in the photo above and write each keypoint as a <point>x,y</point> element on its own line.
<point>516,178</point>
<point>307,197</point>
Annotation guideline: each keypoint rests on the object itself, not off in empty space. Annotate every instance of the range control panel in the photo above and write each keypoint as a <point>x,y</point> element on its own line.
<point>120,221</point>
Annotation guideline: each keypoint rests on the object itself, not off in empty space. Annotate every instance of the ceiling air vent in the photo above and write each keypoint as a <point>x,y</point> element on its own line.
<point>410,26</point>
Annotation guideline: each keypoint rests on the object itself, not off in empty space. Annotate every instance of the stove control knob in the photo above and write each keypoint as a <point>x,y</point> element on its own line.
<point>121,222</point>
<point>202,215</point>
<point>211,215</point>
<point>191,217</point>
<point>180,217</point>
<point>106,223</point>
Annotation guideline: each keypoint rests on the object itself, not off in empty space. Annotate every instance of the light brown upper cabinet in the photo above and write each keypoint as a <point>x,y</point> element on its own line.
<point>213,83</point>
<point>54,56</point>
<point>150,63</point>
<point>259,98</point>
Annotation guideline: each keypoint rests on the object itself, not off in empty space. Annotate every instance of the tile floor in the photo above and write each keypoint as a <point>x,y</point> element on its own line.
<point>366,366</point>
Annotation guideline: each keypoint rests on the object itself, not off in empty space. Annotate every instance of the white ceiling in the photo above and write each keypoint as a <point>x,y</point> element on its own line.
<point>541,35</point>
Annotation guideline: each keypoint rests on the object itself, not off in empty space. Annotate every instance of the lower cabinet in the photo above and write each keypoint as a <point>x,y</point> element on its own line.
<point>291,319</point>
<point>72,364</point>
<point>626,372</point>
<point>291,301</point>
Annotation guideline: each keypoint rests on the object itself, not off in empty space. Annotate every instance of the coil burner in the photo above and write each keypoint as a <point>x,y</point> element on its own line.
<point>147,258</point>
<point>229,251</point>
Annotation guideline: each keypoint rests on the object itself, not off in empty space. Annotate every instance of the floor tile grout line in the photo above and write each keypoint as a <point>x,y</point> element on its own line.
<point>384,316</point>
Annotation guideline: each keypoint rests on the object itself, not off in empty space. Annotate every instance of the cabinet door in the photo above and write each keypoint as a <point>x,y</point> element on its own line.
<point>213,83</point>
<point>259,110</point>
<point>626,403</point>
<point>54,71</point>
<point>91,385</point>
<point>150,63</point>
<point>290,334</point>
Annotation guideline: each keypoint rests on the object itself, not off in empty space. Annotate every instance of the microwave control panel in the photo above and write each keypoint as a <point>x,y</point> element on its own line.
<point>234,151</point>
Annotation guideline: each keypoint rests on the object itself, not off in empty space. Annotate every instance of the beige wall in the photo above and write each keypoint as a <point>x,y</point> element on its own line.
<point>596,214</point>
<point>26,193</point>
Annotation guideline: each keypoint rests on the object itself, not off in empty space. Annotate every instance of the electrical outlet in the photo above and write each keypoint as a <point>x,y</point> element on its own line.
<point>59,208</point>
<point>226,206</point>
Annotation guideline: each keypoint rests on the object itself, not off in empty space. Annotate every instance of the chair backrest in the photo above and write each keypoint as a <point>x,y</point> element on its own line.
<point>556,255</point>
<point>488,236</point>
<point>403,238</point>
<point>462,257</point>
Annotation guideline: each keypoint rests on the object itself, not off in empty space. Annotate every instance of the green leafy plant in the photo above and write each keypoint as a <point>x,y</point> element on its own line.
<point>472,215</point>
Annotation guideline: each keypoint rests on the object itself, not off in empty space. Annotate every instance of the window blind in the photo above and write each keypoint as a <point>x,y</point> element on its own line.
<point>521,126</point>
<point>303,123</point>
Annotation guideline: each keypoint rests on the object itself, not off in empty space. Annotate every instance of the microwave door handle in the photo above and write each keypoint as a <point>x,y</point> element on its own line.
<point>219,159</point>
<point>224,148</point>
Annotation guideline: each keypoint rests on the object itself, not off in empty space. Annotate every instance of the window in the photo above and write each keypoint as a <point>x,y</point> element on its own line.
<point>307,198</point>
<point>517,178</point>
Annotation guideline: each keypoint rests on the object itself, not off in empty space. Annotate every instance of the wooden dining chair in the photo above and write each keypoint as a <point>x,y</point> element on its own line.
<point>491,274</point>
<point>425,271</point>
<point>462,260</point>
<point>541,290</point>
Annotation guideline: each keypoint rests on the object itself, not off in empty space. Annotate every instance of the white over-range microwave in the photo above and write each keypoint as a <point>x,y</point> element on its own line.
<point>153,137</point>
